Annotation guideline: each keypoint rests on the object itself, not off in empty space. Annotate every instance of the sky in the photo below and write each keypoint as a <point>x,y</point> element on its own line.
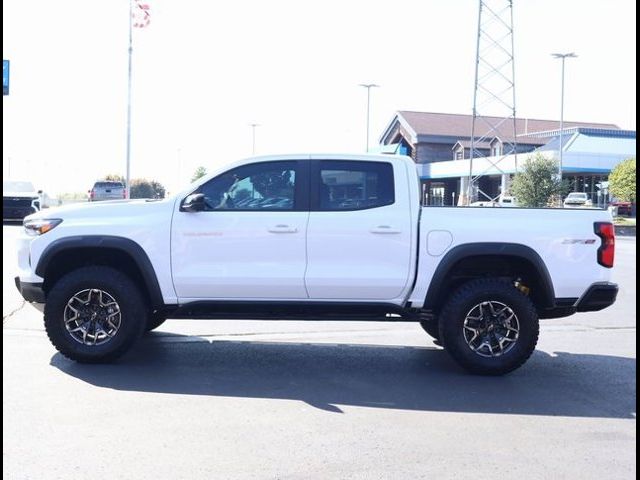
<point>203,71</point>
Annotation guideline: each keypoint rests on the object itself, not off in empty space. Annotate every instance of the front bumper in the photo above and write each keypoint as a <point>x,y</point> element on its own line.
<point>597,297</point>
<point>31,292</point>
<point>17,213</point>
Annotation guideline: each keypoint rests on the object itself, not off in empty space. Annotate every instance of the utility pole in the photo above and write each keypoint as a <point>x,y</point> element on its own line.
<point>253,135</point>
<point>368,86</point>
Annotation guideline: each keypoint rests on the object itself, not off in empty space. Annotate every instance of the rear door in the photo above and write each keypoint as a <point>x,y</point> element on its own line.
<point>250,242</point>
<point>360,231</point>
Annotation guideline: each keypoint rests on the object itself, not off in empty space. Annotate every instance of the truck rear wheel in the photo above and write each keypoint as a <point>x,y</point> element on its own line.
<point>489,327</point>
<point>94,314</point>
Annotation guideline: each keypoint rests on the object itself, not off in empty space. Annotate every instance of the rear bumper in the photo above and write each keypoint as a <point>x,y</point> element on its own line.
<point>597,297</point>
<point>31,292</point>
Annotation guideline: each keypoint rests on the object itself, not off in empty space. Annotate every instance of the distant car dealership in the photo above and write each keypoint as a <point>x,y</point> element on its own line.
<point>440,145</point>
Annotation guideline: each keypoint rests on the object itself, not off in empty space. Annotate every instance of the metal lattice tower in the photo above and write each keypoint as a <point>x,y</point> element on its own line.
<point>494,96</point>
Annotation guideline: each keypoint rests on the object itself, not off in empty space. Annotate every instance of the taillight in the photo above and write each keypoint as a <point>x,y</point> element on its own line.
<point>607,248</point>
<point>92,194</point>
<point>124,193</point>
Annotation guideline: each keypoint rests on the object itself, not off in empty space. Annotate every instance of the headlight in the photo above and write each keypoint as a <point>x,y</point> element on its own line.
<point>40,226</point>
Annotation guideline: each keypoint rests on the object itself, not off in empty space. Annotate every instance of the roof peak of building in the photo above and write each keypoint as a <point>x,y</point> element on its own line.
<point>468,115</point>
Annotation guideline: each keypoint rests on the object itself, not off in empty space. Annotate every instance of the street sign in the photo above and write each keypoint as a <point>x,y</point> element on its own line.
<point>5,77</point>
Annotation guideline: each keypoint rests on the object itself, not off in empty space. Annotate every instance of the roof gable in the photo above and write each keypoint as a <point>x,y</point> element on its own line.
<point>458,125</point>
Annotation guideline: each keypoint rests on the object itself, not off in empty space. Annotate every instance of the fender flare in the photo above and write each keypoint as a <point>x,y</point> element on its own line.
<point>126,245</point>
<point>460,252</point>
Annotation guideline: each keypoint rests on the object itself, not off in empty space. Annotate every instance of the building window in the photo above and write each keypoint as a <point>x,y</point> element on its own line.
<point>496,150</point>
<point>458,155</point>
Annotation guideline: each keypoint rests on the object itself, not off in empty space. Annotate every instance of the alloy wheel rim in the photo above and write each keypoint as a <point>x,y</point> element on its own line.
<point>92,317</point>
<point>491,329</point>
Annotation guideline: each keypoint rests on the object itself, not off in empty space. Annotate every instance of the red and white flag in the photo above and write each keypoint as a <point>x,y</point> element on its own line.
<point>141,14</point>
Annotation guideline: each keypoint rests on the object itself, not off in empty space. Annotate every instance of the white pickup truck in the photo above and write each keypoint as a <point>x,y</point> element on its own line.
<point>338,237</point>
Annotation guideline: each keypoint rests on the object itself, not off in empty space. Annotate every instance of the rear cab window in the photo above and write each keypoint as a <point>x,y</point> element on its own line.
<point>108,185</point>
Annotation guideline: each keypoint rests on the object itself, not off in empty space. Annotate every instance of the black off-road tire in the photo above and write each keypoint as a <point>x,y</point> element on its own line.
<point>463,300</point>
<point>133,311</point>
<point>155,320</point>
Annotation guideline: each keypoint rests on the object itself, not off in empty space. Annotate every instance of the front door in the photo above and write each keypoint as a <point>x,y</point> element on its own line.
<point>250,242</point>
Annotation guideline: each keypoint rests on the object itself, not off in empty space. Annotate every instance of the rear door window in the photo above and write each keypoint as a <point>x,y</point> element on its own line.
<point>352,185</point>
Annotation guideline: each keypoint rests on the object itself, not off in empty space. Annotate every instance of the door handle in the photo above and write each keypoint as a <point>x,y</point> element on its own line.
<point>280,228</point>
<point>388,229</point>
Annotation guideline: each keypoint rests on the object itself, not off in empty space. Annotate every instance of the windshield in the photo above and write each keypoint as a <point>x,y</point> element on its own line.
<point>9,186</point>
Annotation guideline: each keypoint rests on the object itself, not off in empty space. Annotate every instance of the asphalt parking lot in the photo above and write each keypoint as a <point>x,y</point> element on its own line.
<point>247,399</point>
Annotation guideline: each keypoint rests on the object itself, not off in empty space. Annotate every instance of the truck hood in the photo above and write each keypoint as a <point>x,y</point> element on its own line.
<point>20,194</point>
<point>117,209</point>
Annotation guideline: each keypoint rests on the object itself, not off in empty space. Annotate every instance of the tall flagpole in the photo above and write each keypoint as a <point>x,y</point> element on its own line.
<point>129,99</point>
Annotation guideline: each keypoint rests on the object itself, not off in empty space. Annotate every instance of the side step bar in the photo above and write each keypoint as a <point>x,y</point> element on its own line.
<point>293,311</point>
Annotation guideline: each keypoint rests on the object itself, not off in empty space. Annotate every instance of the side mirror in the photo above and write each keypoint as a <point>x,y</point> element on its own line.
<point>39,192</point>
<point>193,203</point>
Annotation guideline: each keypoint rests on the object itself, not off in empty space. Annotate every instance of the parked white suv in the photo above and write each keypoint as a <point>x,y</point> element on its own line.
<point>314,237</point>
<point>19,199</point>
<point>577,200</point>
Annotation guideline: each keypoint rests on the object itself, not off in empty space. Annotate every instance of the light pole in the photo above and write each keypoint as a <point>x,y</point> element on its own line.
<point>562,56</point>
<point>368,86</point>
<point>253,134</point>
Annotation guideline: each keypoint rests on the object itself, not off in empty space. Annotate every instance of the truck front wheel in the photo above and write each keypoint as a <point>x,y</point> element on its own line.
<point>489,327</point>
<point>94,314</point>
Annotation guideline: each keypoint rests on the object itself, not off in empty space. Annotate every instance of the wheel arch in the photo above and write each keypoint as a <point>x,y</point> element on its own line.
<point>65,254</point>
<point>477,260</point>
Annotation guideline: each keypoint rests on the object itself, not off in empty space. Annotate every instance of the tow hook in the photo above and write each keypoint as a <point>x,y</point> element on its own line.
<point>523,288</point>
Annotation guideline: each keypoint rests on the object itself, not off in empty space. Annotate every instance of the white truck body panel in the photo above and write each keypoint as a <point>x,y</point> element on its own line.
<point>566,243</point>
<point>364,255</point>
<point>148,223</point>
<point>231,255</point>
<point>328,256</point>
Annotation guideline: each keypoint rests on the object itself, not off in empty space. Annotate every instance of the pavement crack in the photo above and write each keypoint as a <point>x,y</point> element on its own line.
<point>13,312</point>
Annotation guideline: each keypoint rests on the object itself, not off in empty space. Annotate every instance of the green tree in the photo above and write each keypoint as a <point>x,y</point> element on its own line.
<point>537,183</point>
<point>199,173</point>
<point>143,188</point>
<point>622,180</point>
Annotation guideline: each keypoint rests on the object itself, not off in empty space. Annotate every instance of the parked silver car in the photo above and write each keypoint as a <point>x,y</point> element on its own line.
<point>107,190</point>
